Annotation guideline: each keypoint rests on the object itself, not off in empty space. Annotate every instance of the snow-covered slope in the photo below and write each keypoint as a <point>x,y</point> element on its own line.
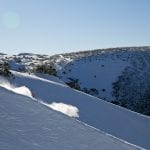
<point>28,125</point>
<point>120,122</point>
<point>94,73</point>
<point>120,75</point>
<point>99,69</point>
<point>108,74</point>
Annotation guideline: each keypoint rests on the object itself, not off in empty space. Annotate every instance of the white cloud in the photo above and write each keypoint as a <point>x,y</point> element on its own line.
<point>66,109</point>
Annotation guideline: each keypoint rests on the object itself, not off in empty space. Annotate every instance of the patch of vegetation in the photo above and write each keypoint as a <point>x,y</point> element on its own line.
<point>115,102</point>
<point>132,91</point>
<point>74,83</point>
<point>17,60</point>
<point>46,69</point>
<point>143,106</point>
<point>91,91</point>
<point>4,69</point>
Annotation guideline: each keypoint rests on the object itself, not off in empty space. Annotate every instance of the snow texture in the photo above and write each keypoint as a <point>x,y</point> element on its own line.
<point>69,110</point>
<point>122,123</point>
<point>28,125</point>
<point>23,90</point>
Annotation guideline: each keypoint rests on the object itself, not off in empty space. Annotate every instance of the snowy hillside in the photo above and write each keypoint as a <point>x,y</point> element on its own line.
<point>124,124</point>
<point>119,76</point>
<point>27,125</point>
<point>109,74</point>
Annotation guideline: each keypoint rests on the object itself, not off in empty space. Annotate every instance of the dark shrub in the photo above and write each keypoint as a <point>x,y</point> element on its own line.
<point>73,83</point>
<point>4,69</point>
<point>47,69</point>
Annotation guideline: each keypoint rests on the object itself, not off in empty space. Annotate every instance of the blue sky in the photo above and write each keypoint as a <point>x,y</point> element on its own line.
<point>57,26</point>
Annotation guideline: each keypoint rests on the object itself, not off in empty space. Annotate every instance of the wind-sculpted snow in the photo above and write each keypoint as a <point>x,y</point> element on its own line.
<point>23,90</point>
<point>97,71</point>
<point>66,109</point>
<point>122,123</point>
<point>29,125</point>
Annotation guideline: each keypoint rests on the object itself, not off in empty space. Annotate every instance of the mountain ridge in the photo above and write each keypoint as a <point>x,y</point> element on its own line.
<point>104,73</point>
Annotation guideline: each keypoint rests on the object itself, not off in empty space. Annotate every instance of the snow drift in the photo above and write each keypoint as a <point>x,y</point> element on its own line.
<point>114,120</point>
<point>34,127</point>
<point>66,109</point>
<point>23,90</point>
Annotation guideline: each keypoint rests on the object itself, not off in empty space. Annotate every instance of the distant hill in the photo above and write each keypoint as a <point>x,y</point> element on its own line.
<point>117,75</point>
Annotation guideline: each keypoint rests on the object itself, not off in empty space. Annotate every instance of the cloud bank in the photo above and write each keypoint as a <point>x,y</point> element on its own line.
<point>66,109</point>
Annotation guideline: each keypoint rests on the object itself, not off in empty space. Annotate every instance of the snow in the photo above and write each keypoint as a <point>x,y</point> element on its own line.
<point>16,66</point>
<point>122,123</point>
<point>95,69</point>
<point>29,125</point>
<point>93,73</point>
<point>92,68</point>
<point>99,69</point>
<point>50,78</point>
<point>23,90</point>
<point>69,110</point>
